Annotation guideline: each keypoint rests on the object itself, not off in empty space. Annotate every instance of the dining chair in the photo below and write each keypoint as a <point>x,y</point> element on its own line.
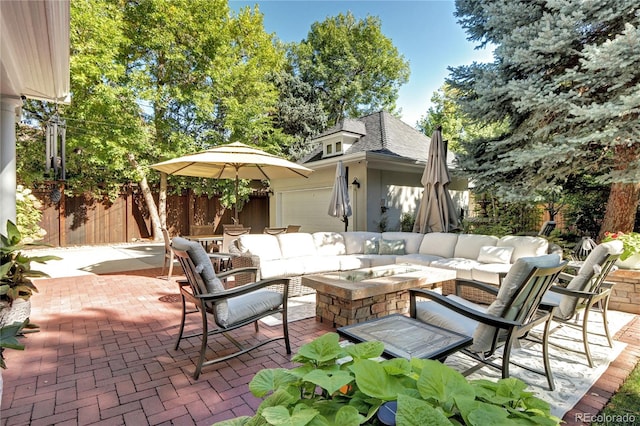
<point>294,228</point>
<point>229,309</point>
<point>274,231</point>
<point>223,258</point>
<point>513,314</point>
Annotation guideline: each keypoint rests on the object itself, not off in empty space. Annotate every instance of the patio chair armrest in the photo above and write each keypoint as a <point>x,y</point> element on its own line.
<point>462,282</point>
<point>573,293</point>
<point>565,276</point>
<point>246,288</point>
<point>232,272</point>
<point>458,308</point>
<point>607,284</point>
<point>241,260</point>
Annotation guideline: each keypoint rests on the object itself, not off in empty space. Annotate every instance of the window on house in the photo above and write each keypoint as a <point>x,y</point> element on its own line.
<point>338,146</point>
<point>329,149</point>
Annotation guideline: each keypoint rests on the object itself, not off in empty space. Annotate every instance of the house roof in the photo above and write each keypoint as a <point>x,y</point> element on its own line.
<point>380,132</point>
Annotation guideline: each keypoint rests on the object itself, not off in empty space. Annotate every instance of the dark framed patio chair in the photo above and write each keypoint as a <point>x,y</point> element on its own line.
<point>223,310</point>
<point>274,231</point>
<point>584,292</point>
<point>497,329</point>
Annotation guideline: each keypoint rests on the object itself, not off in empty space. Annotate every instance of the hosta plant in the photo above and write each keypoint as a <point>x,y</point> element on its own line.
<point>15,266</point>
<point>336,385</point>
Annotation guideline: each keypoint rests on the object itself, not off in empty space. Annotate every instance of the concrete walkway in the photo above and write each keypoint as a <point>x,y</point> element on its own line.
<point>100,260</point>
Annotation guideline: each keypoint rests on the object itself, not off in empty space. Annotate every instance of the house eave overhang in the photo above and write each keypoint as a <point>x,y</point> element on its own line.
<point>374,160</point>
<point>35,46</point>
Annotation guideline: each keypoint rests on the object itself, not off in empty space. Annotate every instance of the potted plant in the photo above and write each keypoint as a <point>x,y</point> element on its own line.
<point>16,285</point>
<point>630,257</point>
<point>352,385</point>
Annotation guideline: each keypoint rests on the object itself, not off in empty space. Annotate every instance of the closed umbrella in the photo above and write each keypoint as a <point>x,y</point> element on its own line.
<point>436,212</point>
<point>340,205</point>
<point>233,161</point>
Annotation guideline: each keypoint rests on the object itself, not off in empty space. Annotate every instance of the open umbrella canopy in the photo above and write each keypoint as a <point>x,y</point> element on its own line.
<point>436,212</point>
<point>233,161</point>
<point>340,205</point>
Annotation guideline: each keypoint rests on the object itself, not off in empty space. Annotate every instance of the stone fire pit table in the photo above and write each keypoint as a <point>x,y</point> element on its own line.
<point>350,297</point>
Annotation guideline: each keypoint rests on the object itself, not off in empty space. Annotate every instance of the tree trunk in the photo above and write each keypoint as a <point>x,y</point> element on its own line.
<point>162,200</point>
<point>622,205</point>
<point>156,226</point>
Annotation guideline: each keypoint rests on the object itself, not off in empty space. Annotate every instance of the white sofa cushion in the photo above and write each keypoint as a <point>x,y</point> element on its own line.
<point>354,261</point>
<point>493,254</point>
<point>264,246</point>
<point>354,241</point>
<point>462,266</point>
<point>490,272</point>
<point>329,243</point>
<point>296,244</point>
<point>440,244</point>
<point>315,264</point>
<point>380,259</point>
<point>274,268</point>
<point>417,258</point>
<point>468,245</point>
<point>524,246</point>
<point>412,240</point>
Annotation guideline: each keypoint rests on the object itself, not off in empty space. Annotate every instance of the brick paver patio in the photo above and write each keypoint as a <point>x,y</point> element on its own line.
<point>105,355</point>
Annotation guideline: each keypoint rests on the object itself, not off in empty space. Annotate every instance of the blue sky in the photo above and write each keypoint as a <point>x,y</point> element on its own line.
<point>424,31</point>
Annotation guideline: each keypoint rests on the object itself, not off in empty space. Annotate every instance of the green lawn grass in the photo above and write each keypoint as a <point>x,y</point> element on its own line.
<point>624,406</point>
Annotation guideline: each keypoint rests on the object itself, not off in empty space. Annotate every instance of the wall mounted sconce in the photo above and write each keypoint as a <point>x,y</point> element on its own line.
<point>383,205</point>
<point>356,183</point>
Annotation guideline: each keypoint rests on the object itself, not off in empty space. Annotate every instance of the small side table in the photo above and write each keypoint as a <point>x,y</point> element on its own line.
<point>406,337</point>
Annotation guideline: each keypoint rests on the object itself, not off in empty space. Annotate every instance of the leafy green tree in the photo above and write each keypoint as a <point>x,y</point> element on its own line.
<point>566,78</point>
<point>354,66</point>
<point>456,126</point>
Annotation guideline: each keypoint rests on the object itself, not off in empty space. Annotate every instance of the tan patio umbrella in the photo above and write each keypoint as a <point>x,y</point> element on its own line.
<point>436,212</point>
<point>233,161</point>
<point>340,205</point>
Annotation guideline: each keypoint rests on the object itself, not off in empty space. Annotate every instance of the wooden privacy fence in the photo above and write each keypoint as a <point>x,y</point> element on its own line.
<point>85,221</point>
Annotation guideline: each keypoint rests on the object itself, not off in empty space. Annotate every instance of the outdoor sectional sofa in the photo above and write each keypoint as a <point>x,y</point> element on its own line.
<point>482,258</point>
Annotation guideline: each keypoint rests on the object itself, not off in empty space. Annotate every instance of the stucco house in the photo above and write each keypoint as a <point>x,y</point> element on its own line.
<point>384,157</point>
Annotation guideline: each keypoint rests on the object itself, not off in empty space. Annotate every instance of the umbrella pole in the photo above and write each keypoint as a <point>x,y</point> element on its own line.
<point>236,203</point>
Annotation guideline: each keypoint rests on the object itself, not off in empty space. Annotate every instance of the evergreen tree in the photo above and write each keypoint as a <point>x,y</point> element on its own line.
<point>566,77</point>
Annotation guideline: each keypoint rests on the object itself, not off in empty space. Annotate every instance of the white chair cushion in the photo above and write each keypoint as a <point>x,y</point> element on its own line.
<point>436,314</point>
<point>251,304</point>
<point>484,334</point>
<point>296,244</point>
<point>440,244</point>
<point>264,246</point>
<point>329,243</point>
<point>354,241</point>
<point>412,240</point>
<point>468,245</point>
<point>493,254</point>
<point>524,246</point>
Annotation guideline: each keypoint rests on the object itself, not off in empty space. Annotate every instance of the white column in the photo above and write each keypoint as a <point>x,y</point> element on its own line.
<point>10,108</point>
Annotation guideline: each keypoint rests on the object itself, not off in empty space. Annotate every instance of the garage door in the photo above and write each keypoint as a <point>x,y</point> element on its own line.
<point>309,208</point>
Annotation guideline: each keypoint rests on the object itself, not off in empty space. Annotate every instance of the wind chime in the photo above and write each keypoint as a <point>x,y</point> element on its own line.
<point>55,141</point>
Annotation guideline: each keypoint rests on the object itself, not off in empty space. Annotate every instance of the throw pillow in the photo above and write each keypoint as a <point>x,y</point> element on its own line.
<point>493,254</point>
<point>391,247</point>
<point>372,246</point>
<point>204,267</point>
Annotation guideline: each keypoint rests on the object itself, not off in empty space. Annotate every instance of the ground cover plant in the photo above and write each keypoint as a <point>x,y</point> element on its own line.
<point>348,385</point>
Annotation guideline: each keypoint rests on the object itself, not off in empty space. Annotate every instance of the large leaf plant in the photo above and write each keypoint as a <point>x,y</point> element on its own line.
<point>349,385</point>
<point>15,266</point>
